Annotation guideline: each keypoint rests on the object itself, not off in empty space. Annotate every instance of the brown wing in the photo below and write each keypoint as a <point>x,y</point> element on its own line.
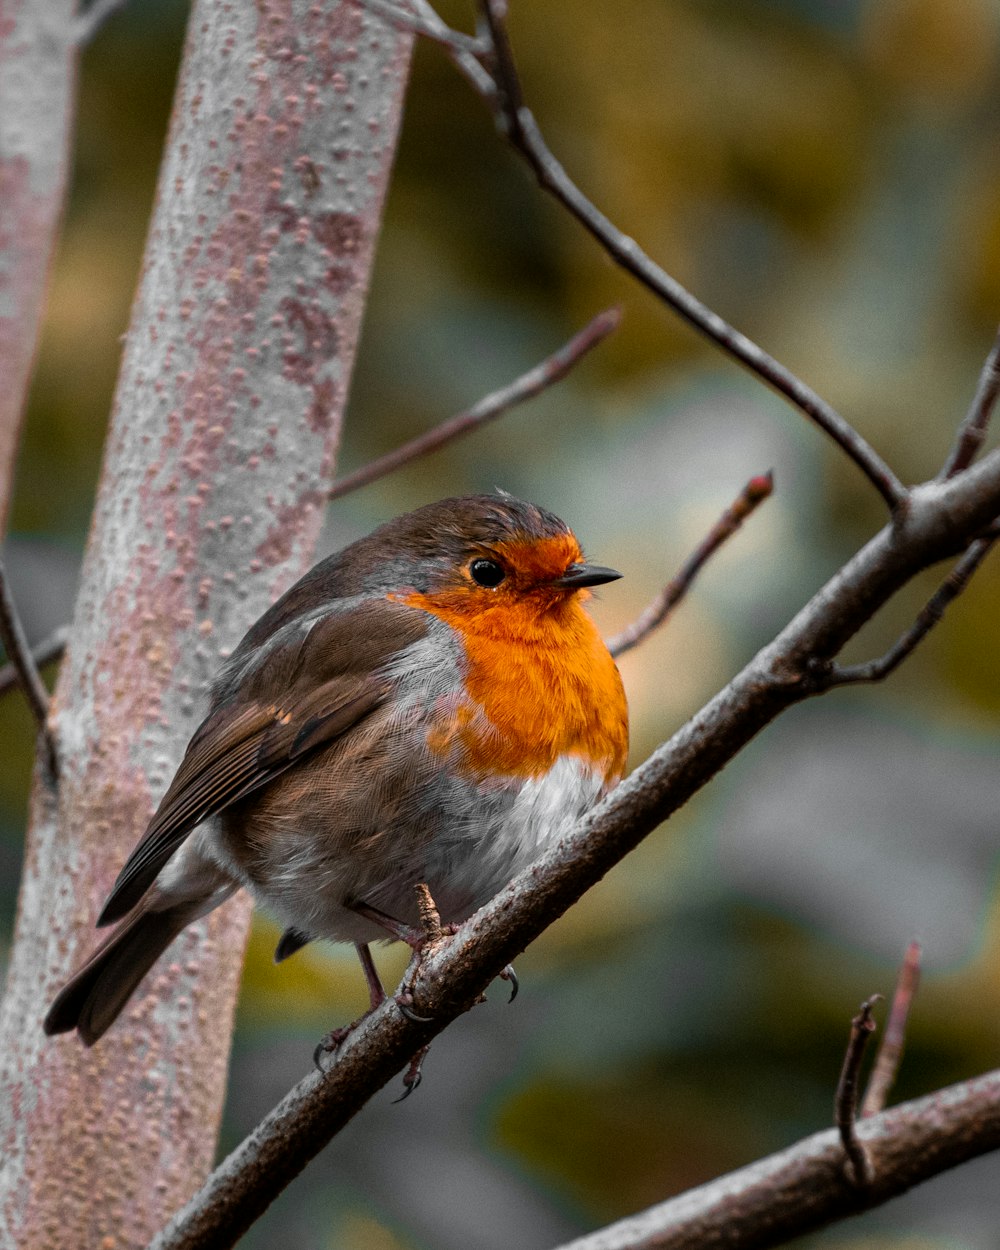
<point>327,681</point>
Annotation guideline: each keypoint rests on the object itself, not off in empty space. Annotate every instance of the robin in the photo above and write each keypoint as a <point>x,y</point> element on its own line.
<point>430,705</point>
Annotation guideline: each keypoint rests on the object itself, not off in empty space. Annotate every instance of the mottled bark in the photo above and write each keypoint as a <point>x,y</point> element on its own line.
<point>219,456</point>
<point>37,80</point>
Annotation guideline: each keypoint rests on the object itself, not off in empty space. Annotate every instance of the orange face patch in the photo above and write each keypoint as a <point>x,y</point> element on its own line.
<point>540,682</point>
<point>530,566</point>
<point>534,561</point>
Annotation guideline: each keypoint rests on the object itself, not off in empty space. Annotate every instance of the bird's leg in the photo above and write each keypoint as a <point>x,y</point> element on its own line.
<point>430,917</point>
<point>414,938</point>
<point>413,1074</point>
<point>376,997</point>
<point>430,931</point>
<point>376,992</point>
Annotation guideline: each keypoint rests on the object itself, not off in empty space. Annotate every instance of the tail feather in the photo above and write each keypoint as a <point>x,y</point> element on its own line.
<point>92,999</point>
<point>290,942</point>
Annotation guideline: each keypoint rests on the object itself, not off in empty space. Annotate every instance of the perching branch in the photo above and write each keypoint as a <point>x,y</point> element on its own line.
<point>845,1103</point>
<point>941,520</point>
<point>493,75</point>
<point>529,384</point>
<point>652,617</point>
<point>19,654</point>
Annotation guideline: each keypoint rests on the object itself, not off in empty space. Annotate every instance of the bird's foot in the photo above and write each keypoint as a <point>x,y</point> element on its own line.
<point>331,1043</point>
<point>404,1001</point>
<point>510,975</point>
<point>413,1074</point>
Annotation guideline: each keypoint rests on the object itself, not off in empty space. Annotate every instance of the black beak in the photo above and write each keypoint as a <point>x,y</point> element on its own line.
<point>578,575</point>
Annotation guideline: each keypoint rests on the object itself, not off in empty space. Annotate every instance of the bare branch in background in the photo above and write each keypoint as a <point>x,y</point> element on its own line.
<point>932,612</point>
<point>42,653</point>
<point>15,643</point>
<point>92,18</point>
<point>529,384</point>
<point>972,432</point>
<point>454,40</point>
<point>803,1188</point>
<point>37,89</point>
<point>845,1103</point>
<point>890,1053</point>
<point>493,74</point>
<point>652,617</point>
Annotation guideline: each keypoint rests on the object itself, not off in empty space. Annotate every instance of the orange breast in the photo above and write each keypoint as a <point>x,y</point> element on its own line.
<point>539,686</point>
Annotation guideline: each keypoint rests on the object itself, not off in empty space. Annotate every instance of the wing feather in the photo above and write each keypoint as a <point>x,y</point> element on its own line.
<point>244,745</point>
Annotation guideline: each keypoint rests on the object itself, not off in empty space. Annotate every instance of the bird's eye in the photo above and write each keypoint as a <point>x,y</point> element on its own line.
<point>487,573</point>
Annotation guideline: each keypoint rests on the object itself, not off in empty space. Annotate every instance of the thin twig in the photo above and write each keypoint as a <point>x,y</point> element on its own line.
<point>454,40</point>
<point>494,77</point>
<point>42,653</point>
<point>972,431</point>
<point>423,17</point>
<point>90,21</point>
<point>509,101</point>
<point>750,497</point>
<point>493,405</point>
<point>846,1100</point>
<point>930,614</point>
<point>890,1053</point>
<point>19,653</point>
<point>430,917</point>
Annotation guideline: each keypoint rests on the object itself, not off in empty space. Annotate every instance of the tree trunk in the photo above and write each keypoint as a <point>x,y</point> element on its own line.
<point>37,77</point>
<point>220,451</point>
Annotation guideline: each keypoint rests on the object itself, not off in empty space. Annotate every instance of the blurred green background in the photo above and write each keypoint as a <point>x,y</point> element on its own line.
<point>825,174</point>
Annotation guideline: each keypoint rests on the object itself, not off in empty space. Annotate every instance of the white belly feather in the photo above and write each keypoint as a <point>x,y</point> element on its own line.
<point>545,810</point>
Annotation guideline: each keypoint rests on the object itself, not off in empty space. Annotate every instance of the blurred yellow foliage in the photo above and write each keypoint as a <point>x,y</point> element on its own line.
<point>320,986</point>
<point>361,1232</point>
<point>943,50</point>
<point>612,1142</point>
